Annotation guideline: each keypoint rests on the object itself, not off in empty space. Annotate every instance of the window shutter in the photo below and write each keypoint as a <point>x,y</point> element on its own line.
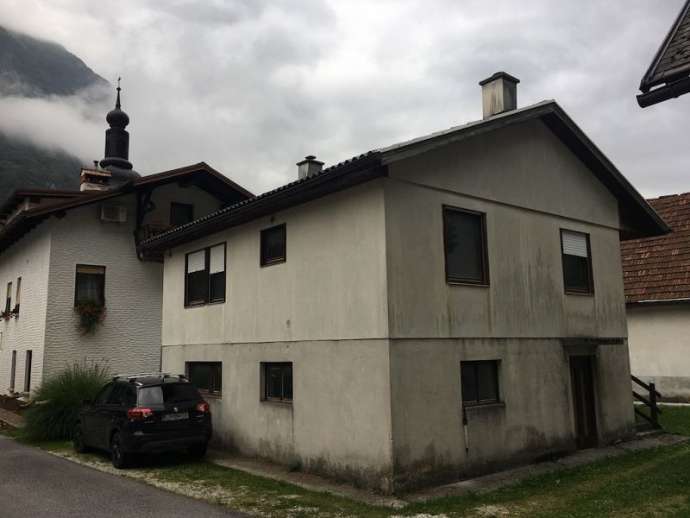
<point>575,244</point>
<point>217,259</point>
<point>196,262</point>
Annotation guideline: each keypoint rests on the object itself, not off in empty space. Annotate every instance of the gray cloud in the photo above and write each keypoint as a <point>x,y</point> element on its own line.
<point>251,87</point>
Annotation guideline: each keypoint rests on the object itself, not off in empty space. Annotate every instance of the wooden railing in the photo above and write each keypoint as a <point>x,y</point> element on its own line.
<point>650,402</point>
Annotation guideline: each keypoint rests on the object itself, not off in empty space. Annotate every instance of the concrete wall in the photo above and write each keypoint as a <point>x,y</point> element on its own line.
<point>30,262</point>
<point>129,338</point>
<point>659,338</point>
<point>529,186</point>
<point>332,286</point>
<point>339,421</point>
<point>325,310</point>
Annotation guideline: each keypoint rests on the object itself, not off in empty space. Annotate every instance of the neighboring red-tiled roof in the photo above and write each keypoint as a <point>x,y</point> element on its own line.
<point>658,268</point>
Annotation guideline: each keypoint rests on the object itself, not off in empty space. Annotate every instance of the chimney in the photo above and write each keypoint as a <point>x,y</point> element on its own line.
<point>499,94</point>
<point>94,179</point>
<point>308,167</point>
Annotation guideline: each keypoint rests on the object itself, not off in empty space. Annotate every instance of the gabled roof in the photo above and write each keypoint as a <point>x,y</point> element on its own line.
<point>657,269</point>
<point>200,174</point>
<point>637,217</point>
<point>671,64</point>
<point>21,194</point>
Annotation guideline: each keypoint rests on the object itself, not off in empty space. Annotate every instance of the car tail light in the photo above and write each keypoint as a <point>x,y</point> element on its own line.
<point>203,407</point>
<point>139,413</point>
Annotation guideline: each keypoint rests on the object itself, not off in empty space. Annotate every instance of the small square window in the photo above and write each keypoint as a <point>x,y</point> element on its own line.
<point>273,245</point>
<point>479,382</point>
<point>206,376</point>
<point>181,213</point>
<point>90,285</point>
<point>464,234</point>
<point>277,381</point>
<point>577,264</point>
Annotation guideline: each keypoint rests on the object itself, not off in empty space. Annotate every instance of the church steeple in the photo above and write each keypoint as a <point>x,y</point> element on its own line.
<point>116,137</point>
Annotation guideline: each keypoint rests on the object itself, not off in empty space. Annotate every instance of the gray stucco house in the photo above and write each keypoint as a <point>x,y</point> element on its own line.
<point>425,311</point>
<point>62,252</point>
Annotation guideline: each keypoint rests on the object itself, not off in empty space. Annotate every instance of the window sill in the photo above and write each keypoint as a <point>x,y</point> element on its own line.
<point>580,293</point>
<point>273,263</point>
<point>278,402</point>
<point>467,283</point>
<point>204,304</point>
<point>484,406</point>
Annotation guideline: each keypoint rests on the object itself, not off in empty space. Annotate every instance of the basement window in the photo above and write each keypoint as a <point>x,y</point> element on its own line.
<point>577,264</point>
<point>205,276</point>
<point>89,285</point>
<point>464,237</point>
<point>206,376</point>
<point>479,382</point>
<point>273,245</point>
<point>277,381</point>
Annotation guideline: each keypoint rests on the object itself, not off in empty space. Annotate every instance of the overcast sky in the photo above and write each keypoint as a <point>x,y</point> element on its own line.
<point>251,87</point>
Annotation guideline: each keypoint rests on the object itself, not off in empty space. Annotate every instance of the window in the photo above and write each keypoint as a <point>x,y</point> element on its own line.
<point>104,394</point>
<point>277,381</point>
<point>8,300</point>
<point>90,285</point>
<point>479,382</point>
<point>181,213</point>
<point>205,276</point>
<point>577,265</point>
<point>13,370</point>
<point>17,297</point>
<point>27,371</point>
<point>206,376</point>
<point>123,394</point>
<point>273,245</point>
<point>464,235</point>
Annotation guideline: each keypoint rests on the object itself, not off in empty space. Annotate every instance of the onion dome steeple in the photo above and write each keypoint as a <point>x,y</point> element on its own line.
<point>117,138</point>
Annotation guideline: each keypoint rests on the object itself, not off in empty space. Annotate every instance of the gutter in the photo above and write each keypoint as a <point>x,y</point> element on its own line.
<point>669,91</point>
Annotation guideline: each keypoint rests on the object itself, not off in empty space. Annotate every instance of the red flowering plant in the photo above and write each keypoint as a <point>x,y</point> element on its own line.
<point>90,315</point>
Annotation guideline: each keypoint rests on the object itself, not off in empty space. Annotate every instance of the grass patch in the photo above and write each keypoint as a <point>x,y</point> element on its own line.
<point>675,419</point>
<point>653,482</point>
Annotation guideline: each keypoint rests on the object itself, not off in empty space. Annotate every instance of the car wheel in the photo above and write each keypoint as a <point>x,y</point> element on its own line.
<point>198,451</point>
<point>119,457</point>
<point>78,440</point>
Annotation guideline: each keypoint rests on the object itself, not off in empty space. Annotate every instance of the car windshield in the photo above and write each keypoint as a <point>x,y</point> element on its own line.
<point>168,393</point>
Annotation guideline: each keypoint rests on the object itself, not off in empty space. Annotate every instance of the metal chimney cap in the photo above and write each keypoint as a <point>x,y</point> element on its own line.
<point>498,75</point>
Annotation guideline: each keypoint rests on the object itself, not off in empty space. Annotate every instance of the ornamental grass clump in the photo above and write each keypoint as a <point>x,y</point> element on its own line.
<point>57,401</point>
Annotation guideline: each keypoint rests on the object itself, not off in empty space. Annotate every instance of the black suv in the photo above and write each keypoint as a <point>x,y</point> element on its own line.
<point>145,413</point>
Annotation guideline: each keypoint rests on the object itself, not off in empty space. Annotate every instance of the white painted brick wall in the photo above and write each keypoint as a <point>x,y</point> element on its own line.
<point>30,262</point>
<point>129,338</point>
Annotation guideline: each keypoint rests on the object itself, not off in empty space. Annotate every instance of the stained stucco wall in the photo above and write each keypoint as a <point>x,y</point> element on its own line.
<point>659,338</point>
<point>332,286</point>
<point>30,262</point>
<point>529,186</point>
<point>324,310</point>
<point>128,340</point>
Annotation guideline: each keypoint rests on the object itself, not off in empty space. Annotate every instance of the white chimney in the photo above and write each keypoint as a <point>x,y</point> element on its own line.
<point>499,94</point>
<point>95,179</point>
<point>308,167</point>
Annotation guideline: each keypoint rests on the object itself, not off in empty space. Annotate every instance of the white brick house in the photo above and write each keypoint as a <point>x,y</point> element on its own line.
<point>59,248</point>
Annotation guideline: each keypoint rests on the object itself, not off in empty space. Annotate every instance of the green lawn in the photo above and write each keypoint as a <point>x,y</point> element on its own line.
<point>647,483</point>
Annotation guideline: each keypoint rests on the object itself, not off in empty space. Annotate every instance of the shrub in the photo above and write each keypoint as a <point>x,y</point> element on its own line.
<point>58,400</point>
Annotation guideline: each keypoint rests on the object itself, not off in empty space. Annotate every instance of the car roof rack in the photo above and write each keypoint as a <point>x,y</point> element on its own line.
<point>133,377</point>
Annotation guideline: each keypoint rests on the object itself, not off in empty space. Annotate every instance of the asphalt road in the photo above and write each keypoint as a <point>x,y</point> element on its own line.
<point>35,484</point>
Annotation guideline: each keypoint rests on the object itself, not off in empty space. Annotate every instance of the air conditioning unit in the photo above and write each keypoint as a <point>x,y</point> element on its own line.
<point>113,213</point>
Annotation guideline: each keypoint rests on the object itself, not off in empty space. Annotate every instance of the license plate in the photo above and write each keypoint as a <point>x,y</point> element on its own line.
<point>176,417</point>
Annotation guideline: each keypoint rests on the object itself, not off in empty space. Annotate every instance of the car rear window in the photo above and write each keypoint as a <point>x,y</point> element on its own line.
<point>169,393</point>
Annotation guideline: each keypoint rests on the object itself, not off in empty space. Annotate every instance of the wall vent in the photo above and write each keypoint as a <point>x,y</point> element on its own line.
<point>113,213</point>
